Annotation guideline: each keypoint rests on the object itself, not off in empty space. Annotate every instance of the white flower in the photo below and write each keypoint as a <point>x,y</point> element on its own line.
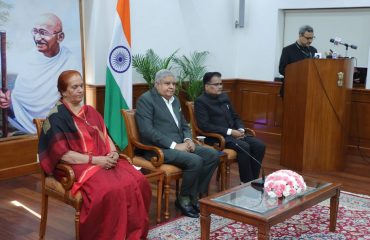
<point>271,194</point>
<point>286,192</point>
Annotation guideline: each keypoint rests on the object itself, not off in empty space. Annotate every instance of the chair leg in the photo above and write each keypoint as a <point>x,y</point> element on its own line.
<point>159,198</point>
<point>44,214</point>
<point>77,224</point>
<point>222,170</point>
<point>166,199</point>
<point>177,187</point>
<point>218,175</point>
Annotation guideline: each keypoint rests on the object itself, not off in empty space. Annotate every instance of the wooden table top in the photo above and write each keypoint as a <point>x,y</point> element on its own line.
<point>283,209</point>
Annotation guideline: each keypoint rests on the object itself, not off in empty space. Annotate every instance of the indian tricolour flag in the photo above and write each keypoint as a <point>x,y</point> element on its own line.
<point>118,91</point>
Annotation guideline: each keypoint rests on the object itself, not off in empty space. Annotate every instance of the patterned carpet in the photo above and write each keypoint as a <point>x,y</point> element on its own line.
<point>353,223</point>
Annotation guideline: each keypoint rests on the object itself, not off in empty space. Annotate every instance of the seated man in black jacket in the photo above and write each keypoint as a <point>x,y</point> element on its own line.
<point>214,113</point>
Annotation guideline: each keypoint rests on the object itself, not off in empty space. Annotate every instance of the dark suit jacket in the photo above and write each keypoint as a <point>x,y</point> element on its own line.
<point>215,114</point>
<point>155,122</point>
<point>294,53</point>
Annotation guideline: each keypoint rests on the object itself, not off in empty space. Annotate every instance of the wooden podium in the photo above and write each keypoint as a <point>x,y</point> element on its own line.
<point>317,100</point>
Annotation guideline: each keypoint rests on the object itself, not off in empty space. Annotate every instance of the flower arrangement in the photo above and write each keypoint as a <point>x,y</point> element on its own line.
<point>284,183</point>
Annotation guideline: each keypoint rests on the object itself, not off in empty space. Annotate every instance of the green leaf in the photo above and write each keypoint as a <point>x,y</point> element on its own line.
<point>191,71</point>
<point>150,63</point>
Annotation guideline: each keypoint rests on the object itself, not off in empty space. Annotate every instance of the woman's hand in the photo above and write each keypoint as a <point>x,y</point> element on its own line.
<point>105,161</point>
<point>114,155</point>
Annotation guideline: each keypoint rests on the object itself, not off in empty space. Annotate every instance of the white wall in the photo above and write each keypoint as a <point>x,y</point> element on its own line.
<point>164,26</point>
<point>251,52</point>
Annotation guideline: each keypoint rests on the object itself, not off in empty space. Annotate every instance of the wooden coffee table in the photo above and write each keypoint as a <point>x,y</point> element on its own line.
<point>251,206</point>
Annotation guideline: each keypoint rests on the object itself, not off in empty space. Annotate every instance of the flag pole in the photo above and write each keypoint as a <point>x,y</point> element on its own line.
<point>4,83</point>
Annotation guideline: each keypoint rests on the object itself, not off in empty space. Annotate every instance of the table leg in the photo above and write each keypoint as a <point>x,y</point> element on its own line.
<point>227,173</point>
<point>264,232</point>
<point>159,198</point>
<point>205,223</point>
<point>334,203</point>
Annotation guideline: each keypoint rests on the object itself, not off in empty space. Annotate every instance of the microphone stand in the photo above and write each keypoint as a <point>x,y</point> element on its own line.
<point>258,183</point>
<point>346,54</point>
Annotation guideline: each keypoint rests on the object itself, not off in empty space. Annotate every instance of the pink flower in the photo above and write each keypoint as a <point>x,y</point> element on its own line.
<point>284,183</point>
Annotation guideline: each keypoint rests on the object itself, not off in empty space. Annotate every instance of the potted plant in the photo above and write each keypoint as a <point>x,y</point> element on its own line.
<point>191,72</point>
<point>150,63</point>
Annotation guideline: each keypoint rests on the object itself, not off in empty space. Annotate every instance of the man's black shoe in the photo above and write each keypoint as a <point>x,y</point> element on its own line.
<point>196,207</point>
<point>187,210</point>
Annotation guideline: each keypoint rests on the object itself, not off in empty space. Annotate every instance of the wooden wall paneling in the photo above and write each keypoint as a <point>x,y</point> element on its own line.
<point>278,114</point>
<point>256,101</point>
<point>359,135</point>
<point>18,156</point>
<point>95,96</point>
<point>255,108</point>
<point>100,97</point>
<point>229,88</point>
<point>137,90</point>
<point>91,95</point>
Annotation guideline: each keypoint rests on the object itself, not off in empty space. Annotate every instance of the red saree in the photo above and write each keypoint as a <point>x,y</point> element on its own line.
<point>115,201</point>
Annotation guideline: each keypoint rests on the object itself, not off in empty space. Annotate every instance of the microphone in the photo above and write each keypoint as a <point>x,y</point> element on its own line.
<point>337,41</point>
<point>258,183</point>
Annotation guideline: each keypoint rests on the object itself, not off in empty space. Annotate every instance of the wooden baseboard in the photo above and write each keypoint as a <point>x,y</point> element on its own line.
<point>354,150</point>
<point>20,170</point>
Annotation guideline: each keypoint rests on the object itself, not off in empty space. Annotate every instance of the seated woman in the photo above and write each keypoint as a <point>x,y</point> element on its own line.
<point>116,197</point>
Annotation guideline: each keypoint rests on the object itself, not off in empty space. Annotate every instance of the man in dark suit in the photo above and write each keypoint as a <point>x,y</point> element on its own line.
<point>215,114</point>
<point>162,124</point>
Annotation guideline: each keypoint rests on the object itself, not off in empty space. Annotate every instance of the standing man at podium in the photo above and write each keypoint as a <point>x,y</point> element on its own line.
<point>297,51</point>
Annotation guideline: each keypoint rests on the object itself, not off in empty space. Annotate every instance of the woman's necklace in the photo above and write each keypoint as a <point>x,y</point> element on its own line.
<point>84,118</point>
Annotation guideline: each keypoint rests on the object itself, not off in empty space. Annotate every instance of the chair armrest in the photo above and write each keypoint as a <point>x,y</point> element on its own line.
<point>221,145</point>
<point>196,141</point>
<point>124,156</point>
<point>158,160</point>
<point>68,175</point>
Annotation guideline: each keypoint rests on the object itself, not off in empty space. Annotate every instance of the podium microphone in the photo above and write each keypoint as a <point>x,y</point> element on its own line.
<point>258,183</point>
<point>337,41</point>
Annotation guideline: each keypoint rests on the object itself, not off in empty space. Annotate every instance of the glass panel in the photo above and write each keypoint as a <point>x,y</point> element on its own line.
<point>256,200</point>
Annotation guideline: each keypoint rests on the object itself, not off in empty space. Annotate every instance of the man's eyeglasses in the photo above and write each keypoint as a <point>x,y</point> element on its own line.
<point>169,83</point>
<point>43,32</point>
<point>309,38</point>
<point>215,84</point>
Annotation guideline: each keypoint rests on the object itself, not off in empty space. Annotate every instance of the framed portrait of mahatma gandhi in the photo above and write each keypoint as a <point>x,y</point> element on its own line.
<point>41,39</point>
